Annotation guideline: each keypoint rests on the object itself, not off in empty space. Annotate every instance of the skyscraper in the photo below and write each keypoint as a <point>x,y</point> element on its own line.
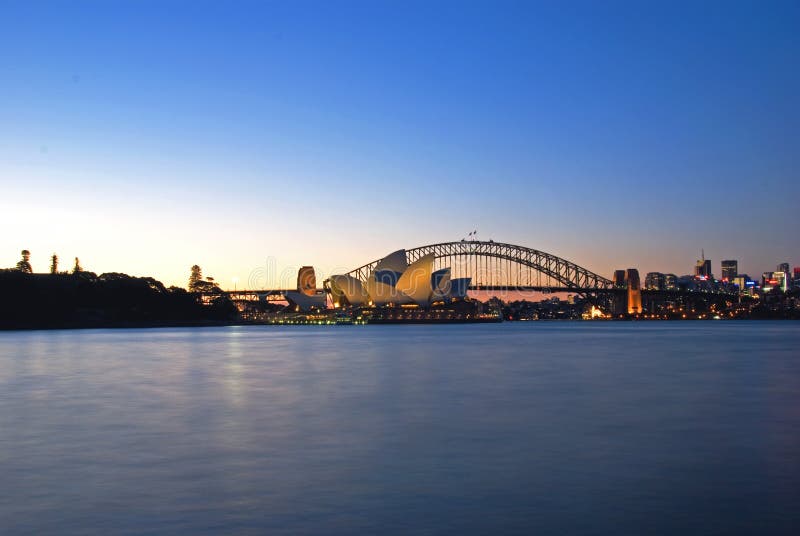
<point>787,275</point>
<point>703,269</point>
<point>730,269</point>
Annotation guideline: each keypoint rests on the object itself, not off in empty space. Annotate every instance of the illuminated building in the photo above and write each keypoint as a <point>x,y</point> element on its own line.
<point>670,282</point>
<point>772,280</point>
<point>702,269</point>
<point>394,282</point>
<point>784,267</point>
<point>380,284</point>
<point>744,283</point>
<point>654,281</point>
<point>347,290</point>
<point>730,269</point>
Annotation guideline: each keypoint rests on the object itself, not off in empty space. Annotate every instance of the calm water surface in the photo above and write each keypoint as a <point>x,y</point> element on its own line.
<point>517,428</point>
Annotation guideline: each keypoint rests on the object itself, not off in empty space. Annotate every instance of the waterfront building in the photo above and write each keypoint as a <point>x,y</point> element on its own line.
<point>347,290</point>
<point>730,269</point>
<point>393,281</point>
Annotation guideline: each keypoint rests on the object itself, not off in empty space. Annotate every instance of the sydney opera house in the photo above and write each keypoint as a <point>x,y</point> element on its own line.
<point>392,282</point>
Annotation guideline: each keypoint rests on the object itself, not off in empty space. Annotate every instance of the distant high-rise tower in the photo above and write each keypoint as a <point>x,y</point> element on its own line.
<point>730,270</point>
<point>703,267</point>
<point>787,277</point>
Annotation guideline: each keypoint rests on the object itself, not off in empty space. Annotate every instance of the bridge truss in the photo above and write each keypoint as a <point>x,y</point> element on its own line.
<point>499,266</point>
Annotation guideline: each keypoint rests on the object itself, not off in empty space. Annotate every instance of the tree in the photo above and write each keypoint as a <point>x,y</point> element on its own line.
<point>24,265</point>
<point>195,277</point>
<point>77,269</point>
<point>54,264</point>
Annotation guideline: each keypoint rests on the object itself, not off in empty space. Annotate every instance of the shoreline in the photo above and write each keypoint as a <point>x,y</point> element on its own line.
<point>214,324</point>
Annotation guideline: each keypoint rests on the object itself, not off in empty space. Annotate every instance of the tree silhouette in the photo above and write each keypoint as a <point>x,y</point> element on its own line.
<point>77,269</point>
<point>24,265</point>
<point>195,277</point>
<point>107,300</point>
<point>54,264</point>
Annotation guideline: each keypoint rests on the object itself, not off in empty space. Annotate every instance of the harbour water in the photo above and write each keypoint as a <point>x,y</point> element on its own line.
<point>513,428</point>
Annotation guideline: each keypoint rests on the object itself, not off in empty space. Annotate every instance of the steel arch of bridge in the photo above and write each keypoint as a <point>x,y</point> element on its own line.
<point>485,261</point>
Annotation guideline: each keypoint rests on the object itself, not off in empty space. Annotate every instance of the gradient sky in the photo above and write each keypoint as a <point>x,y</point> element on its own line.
<point>145,137</point>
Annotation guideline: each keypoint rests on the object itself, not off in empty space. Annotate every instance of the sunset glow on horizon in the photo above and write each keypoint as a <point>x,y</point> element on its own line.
<point>252,139</point>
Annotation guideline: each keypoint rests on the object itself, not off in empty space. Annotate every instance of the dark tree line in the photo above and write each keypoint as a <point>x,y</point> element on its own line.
<point>84,299</point>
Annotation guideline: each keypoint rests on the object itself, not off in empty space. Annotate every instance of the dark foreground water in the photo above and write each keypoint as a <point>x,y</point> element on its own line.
<point>518,428</point>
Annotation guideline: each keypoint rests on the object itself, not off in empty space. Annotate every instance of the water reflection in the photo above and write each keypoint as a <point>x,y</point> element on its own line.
<point>513,428</point>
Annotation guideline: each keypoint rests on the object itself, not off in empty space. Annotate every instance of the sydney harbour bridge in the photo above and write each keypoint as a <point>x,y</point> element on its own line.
<point>500,267</point>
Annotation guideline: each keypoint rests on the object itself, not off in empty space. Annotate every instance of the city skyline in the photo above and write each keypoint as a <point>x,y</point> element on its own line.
<point>147,138</point>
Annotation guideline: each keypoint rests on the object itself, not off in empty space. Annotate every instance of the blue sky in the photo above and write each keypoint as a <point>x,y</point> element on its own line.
<point>149,136</point>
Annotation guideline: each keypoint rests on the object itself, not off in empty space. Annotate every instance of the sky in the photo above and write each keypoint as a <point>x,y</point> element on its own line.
<point>255,137</point>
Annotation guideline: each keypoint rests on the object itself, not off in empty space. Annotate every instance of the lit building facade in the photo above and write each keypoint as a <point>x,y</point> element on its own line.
<point>670,282</point>
<point>654,281</point>
<point>784,267</point>
<point>773,280</point>
<point>746,286</point>
<point>702,270</point>
<point>730,270</point>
